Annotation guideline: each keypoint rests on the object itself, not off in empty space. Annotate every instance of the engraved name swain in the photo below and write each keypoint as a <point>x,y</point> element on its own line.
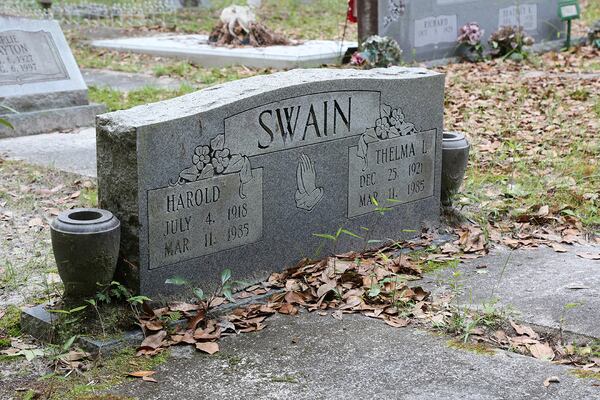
<point>289,125</point>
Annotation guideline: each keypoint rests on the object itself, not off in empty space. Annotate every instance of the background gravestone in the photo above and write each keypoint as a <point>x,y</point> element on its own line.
<point>427,29</point>
<point>40,79</point>
<point>242,174</point>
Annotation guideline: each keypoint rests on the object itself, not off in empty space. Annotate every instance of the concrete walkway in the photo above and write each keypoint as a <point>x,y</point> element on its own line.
<point>125,81</point>
<point>72,152</point>
<point>314,357</point>
<point>537,284</point>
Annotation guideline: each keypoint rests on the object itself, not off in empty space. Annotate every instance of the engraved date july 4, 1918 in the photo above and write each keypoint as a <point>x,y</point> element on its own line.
<point>203,217</point>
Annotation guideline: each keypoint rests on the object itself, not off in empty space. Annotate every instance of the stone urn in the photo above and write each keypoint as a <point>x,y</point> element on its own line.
<point>85,242</point>
<point>455,155</point>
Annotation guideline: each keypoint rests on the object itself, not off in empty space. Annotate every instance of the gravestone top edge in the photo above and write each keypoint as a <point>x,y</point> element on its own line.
<point>220,95</point>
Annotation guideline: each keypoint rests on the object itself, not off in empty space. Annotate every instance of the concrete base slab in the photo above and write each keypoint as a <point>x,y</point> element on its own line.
<point>312,53</point>
<point>57,119</point>
<point>537,283</point>
<point>71,152</point>
<point>125,81</point>
<point>312,357</point>
<point>39,323</point>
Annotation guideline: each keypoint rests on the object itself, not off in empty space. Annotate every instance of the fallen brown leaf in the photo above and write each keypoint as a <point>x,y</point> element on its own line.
<point>552,379</point>
<point>195,320</point>
<point>141,374</point>
<point>558,248</point>
<point>154,341</point>
<point>208,347</point>
<point>288,309</point>
<point>151,325</point>
<point>524,330</point>
<point>397,322</point>
<point>541,351</point>
<point>589,256</point>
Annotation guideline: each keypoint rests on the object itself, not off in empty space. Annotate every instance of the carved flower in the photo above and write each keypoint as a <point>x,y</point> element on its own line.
<point>382,128</point>
<point>396,118</point>
<point>220,160</point>
<point>400,127</point>
<point>201,156</point>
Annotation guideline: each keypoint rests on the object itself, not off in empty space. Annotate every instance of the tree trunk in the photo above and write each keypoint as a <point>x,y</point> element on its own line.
<point>368,24</point>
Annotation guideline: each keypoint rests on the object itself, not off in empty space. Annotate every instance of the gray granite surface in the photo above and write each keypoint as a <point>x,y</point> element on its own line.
<point>242,175</point>
<point>428,29</point>
<point>40,83</point>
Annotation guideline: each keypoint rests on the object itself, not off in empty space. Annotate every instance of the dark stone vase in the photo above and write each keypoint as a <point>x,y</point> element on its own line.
<point>85,242</point>
<point>455,155</point>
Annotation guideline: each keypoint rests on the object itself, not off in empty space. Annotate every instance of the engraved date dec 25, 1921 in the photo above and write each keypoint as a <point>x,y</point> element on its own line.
<point>393,164</point>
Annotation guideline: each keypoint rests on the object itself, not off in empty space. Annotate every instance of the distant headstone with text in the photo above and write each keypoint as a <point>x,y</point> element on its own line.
<point>242,175</point>
<point>428,29</point>
<point>40,80</point>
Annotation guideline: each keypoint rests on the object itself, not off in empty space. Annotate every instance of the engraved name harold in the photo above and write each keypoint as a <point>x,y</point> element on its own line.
<point>203,217</point>
<point>27,57</point>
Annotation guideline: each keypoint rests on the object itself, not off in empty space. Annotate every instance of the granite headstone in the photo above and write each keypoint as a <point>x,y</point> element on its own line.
<point>39,78</point>
<point>428,29</point>
<point>243,174</point>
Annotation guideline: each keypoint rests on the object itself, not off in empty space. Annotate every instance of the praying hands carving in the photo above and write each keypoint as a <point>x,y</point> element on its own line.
<point>308,194</point>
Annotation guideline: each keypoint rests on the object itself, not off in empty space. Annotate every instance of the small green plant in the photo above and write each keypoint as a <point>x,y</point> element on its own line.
<point>225,289</point>
<point>580,94</point>
<point>6,123</point>
<point>10,278</point>
<point>94,304</point>
<point>397,285</point>
<point>455,282</point>
<point>563,318</point>
<point>509,42</point>
<point>335,237</point>
<point>3,121</point>
<point>71,314</point>
<point>55,352</point>
<point>115,291</point>
<point>135,303</point>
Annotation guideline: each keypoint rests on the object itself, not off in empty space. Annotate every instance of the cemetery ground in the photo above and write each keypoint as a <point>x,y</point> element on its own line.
<point>509,305</point>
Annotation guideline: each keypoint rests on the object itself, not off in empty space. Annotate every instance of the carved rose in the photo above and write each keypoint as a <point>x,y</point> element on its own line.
<point>382,128</point>
<point>390,125</point>
<point>216,159</point>
<point>201,157</point>
<point>220,160</point>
